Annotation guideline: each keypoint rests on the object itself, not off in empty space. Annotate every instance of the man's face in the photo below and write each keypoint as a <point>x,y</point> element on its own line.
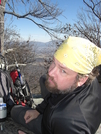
<point>60,79</point>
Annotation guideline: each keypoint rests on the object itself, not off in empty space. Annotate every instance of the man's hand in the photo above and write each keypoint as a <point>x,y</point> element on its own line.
<point>21,132</point>
<point>30,115</point>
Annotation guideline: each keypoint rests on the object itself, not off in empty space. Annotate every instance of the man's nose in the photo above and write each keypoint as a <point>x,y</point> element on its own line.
<point>52,71</point>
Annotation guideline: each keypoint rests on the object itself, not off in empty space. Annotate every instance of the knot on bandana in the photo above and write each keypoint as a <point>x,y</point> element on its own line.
<point>79,55</point>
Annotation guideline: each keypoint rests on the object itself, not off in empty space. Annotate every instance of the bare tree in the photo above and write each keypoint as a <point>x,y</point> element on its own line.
<point>2,8</point>
<point>89,21</point>
<point>11,33</point>
<point>41,13</point>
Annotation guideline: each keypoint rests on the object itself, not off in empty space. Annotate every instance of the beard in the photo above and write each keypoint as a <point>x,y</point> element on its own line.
<point>54,89</point>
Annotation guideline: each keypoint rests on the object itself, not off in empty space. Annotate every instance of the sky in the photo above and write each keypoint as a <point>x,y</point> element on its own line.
<point>27,29</point>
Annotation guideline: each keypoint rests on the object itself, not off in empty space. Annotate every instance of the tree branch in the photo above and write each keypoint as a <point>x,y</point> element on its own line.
<point>93,8</point>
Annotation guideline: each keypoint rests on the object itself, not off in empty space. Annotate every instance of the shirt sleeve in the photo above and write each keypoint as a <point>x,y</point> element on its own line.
<point>69,126</point>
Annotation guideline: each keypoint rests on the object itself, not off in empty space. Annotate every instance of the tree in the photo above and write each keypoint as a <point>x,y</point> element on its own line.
<point>2,8</point>
<point>88,23</point>
<point>11,33</point>
<point>41,13</point>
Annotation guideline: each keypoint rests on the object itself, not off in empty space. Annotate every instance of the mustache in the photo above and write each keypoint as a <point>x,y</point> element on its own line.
<point>50,77</point>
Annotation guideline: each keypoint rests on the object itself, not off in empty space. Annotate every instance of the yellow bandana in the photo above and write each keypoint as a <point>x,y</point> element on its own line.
<point>79,55</point>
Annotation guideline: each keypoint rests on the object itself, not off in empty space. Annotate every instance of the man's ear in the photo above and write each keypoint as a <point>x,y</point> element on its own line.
<point>82,81</point>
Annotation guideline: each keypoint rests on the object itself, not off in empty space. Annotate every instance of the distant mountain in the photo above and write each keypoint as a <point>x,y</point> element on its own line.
<point>40,44</point>
<point>45,46</point>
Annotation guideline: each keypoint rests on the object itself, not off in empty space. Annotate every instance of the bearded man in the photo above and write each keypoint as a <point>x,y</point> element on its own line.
<point>73,104</point>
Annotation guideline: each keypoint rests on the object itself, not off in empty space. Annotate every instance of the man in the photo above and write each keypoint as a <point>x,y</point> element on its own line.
<point>73,105</point>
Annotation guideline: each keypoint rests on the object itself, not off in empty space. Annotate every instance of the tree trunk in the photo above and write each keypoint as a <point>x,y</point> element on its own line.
<point>2,8</point>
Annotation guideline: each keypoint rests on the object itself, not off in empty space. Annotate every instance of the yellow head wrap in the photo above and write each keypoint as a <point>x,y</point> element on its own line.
<point>79,55</point>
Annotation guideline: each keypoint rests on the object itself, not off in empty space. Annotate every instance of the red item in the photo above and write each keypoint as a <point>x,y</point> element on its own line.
<point>17,102</point>
<point>23,104</point>
<point>0,2</point>
<point>14,75</point>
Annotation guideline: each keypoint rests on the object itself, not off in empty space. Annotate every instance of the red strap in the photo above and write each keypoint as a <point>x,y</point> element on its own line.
<point>0,2</point>
<point>23,104</point>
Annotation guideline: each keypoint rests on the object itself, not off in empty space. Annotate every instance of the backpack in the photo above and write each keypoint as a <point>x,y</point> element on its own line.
<point>7,90</point>
<point>13,88</point>
<point>22,91</point>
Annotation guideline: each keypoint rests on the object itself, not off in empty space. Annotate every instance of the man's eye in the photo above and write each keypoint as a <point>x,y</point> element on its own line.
<point>63,71</point>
